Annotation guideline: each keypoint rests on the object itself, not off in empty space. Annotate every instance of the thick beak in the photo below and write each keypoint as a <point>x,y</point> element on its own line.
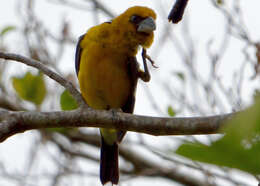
<point>147,25</point>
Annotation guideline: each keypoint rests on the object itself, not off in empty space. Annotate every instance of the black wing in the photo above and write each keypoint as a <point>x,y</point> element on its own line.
<point>133,68</point>
<point>78,54</point>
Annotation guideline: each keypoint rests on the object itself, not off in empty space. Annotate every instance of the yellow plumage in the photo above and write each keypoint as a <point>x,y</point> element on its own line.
<point>105,82</point>
<point>105,78</point>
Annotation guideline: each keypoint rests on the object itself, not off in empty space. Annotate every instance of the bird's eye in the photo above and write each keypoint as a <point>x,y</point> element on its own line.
<point>135,19</point>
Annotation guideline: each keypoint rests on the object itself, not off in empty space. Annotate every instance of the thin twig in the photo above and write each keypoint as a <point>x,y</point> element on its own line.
<point>56,77</point>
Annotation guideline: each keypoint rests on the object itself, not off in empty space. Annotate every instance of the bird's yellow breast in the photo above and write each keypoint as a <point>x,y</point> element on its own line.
<point>103,77</point>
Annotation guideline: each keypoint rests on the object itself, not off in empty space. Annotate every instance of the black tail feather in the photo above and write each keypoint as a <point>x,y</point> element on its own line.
<point>109,163</point>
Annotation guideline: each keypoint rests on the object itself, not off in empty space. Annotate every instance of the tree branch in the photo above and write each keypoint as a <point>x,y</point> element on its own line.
<point>16,122</point>
<point>141,165</point>
<point>177,11</point>
<point>7,104</point>
<point>157,169</point>
<point>40,66</point>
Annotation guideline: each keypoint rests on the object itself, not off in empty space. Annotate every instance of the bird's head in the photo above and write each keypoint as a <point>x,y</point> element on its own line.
<point>137,24</point>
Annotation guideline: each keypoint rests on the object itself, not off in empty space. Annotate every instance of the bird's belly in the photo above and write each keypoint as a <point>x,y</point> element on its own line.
<point>105,84</point>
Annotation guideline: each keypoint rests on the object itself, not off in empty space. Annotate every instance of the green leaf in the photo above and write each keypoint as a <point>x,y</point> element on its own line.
<point>59,130</point>
<point>67,102</point>
<point>7,29</point>
<point>180,75</point>
<point>238,148</point>
<point>30,87</point>
<point>256,94</point>
<point>220,2</point>
<point>171,111</point>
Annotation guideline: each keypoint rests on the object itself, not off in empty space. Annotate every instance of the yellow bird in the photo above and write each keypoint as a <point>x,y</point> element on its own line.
<point>107,71</point>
